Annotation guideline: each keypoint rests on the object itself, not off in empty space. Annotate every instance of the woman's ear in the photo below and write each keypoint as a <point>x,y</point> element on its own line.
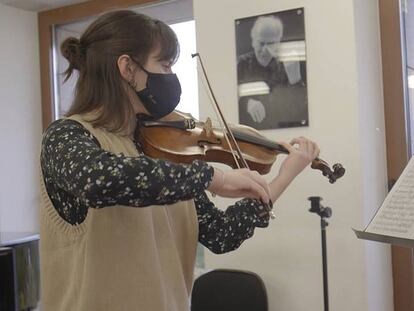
<point>126,67</point>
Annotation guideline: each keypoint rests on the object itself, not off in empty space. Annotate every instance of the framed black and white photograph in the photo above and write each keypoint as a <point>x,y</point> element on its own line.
<point>271,70</point>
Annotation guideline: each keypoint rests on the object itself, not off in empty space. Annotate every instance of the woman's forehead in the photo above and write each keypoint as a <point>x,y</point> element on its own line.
<point>157,53</point>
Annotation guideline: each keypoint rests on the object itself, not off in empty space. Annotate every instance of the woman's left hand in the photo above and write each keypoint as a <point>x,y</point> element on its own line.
<point>302,152</point>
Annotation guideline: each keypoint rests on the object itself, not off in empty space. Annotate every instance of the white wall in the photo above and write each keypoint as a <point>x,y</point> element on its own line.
<point>346,119</point>
<point>20,119</point>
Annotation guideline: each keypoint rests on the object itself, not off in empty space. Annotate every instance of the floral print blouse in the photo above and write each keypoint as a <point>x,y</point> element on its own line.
<point>79,174</point>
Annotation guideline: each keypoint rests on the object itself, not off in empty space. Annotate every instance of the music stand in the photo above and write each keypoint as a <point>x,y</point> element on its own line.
<point>324,213</point>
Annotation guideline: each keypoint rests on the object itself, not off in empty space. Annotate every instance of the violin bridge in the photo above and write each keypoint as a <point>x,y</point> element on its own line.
<point>208,127</point>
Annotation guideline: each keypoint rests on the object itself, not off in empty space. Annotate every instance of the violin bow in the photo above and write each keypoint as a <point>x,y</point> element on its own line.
<point>228,132</point>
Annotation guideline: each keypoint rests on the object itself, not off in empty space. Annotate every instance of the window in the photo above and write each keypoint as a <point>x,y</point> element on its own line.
<point>185,68</point>
<point>407,24</point>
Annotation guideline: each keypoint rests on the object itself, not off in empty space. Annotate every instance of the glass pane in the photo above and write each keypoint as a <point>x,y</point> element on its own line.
<point>63,91</point>
<point>186,67</point>
<point>408,36</point>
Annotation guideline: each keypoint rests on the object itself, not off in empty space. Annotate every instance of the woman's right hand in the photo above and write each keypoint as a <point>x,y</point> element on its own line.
<point>239,183</point>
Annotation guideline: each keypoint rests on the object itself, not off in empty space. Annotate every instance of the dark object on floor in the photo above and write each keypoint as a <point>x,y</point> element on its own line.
<point>229,290</point>
<point>19,271</point>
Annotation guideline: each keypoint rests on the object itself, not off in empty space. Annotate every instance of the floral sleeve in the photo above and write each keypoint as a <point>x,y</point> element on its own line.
<point>79,174</point>
<point>224,231</point>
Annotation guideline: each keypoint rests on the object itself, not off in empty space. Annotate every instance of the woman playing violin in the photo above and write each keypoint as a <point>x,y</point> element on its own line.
<point>119,229</point>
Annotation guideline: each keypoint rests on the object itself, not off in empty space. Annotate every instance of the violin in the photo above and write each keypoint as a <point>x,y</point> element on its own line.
<point>181,138</point>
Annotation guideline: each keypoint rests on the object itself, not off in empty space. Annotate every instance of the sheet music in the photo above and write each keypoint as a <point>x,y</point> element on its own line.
<point>396,214</point>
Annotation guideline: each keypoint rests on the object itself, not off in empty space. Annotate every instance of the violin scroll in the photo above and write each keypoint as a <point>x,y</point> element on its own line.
<point>338,172</point>
<point>333,174</point>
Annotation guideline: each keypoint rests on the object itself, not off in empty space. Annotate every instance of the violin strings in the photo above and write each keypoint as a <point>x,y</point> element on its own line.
<point>233,153</point>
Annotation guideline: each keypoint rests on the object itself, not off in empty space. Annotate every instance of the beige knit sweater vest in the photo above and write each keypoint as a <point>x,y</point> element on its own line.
<point>120,258</point>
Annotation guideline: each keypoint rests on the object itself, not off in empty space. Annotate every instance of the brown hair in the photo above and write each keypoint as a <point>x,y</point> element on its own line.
<point>100,85</point>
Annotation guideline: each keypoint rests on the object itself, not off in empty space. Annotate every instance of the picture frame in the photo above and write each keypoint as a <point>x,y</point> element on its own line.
<point>271,70</point>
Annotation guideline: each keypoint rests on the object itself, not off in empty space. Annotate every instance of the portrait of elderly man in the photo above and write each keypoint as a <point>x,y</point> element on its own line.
<point>272,73</point>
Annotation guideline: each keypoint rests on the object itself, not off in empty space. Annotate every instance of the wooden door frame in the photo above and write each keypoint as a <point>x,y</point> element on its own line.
<point>47,20</point>
<point>396,138</point>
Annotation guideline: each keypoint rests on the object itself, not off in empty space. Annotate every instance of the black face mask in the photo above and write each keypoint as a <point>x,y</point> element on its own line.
<point>162,93</point>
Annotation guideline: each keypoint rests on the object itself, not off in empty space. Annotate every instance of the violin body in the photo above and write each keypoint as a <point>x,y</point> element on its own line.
<point>180,138</point>
<point>202,142</point>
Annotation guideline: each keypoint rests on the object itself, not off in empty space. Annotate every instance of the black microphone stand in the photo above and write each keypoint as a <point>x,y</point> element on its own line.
<point>324,213</point>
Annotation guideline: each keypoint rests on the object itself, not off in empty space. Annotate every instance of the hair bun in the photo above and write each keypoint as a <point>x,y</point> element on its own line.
<point>73,51</point>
